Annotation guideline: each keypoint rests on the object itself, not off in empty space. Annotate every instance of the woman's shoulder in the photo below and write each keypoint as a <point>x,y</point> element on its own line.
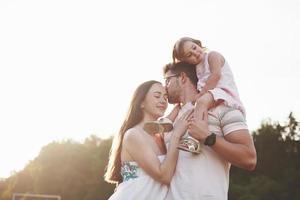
<point>132,135</point>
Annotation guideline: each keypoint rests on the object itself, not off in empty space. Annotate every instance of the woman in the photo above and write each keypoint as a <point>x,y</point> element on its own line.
<point>139,163</point>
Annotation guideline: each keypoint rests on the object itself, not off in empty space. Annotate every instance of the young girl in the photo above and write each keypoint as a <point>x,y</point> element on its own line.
<point>138,162</point>
<point>213,72</point>
<point>214,78</point>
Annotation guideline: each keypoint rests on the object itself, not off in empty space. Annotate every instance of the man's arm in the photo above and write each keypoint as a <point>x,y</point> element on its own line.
<point>236,147</point>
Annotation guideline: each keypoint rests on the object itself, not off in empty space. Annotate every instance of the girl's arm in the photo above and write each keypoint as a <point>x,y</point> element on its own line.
<point>142,152</point>
<point>215,61</point>
<point>204,101</point>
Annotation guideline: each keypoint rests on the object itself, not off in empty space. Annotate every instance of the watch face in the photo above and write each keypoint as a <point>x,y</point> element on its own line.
<point>210,140</point>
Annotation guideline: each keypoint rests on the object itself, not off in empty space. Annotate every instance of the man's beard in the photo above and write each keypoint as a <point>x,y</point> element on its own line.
<point>172,99</point>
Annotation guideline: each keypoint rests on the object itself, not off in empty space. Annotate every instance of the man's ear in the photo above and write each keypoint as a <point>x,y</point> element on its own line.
<point>183,77</point>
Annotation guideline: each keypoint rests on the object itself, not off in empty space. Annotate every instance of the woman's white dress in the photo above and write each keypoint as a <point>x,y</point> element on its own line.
<point>137,184</point>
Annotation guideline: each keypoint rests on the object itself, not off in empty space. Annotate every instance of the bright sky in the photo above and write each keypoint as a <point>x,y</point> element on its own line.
<point>68,68</point>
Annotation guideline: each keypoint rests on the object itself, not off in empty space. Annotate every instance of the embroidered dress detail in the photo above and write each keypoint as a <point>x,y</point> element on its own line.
<point>137,184</point>
<point>129,170</point>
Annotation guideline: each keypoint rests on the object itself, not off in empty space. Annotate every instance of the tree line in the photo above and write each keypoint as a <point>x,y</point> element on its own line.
<point>75,170</point>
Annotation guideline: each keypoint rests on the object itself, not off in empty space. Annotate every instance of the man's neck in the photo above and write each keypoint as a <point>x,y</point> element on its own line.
<point>189,94</point>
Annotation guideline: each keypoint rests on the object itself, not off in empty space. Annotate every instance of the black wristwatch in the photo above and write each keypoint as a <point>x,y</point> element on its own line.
<point>210,140</point>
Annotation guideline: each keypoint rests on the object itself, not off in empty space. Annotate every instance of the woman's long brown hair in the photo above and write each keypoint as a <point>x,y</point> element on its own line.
<point>134,116</point>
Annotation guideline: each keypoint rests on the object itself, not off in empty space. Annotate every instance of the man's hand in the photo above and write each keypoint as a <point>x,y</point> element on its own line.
<point>198,126</point>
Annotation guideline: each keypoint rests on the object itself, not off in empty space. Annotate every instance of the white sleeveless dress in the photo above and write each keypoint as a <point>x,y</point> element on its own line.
<point>226,88</point>
<point>137,184</point>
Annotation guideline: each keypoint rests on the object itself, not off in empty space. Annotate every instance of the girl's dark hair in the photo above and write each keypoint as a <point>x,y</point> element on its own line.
<point>177,54</point>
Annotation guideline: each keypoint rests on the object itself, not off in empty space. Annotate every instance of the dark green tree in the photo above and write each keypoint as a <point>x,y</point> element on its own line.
<point>277,168</point>
<point>75,170</point>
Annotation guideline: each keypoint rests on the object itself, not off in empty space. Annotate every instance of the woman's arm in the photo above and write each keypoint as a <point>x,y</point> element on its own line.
<point>174,112</point>
<point>141,151</point>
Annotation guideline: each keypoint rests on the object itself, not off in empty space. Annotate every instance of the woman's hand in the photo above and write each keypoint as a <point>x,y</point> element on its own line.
<point>182,124</point>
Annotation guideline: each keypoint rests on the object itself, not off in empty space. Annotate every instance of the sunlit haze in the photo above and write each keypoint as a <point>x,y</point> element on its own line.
<point>68,68</point>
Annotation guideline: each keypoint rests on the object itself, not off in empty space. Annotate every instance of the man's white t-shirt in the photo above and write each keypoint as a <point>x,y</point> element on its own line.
<point>205,176</point>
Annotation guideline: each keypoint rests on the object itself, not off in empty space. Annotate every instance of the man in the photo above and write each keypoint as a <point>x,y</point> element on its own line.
<point>223,134</point>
